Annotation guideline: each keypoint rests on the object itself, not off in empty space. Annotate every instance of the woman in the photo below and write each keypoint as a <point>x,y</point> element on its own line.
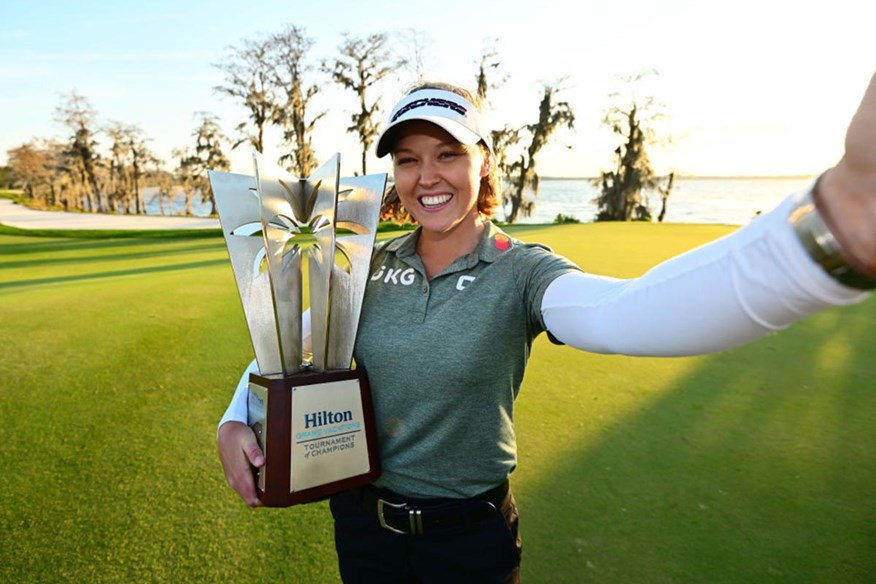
<point>446,344</point>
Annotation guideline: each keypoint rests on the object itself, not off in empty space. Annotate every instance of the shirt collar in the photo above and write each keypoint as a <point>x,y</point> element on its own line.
<point>494,243</point>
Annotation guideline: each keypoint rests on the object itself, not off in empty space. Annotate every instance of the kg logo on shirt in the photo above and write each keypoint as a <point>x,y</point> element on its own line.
<point>407,276</point>
<point>402,276</point>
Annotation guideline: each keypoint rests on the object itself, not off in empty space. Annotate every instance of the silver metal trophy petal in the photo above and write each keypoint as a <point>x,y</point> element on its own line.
<point>313,417</point>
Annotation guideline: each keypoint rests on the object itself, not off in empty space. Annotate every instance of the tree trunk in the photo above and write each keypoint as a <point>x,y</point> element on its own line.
<point>665,197</point>
<point>516,201</point>
<point>93,191</point>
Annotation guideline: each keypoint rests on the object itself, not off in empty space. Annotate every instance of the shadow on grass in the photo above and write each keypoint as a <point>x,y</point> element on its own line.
<point>20,246</point>
<point>113,233</point>
<point>113,274</point>
<point>159,252</point>
<point>760,465</point>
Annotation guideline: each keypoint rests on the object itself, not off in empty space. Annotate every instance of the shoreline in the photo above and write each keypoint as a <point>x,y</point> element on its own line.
<point>14,215</point>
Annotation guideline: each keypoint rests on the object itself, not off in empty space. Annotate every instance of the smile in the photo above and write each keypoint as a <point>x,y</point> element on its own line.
<point>434,200</point>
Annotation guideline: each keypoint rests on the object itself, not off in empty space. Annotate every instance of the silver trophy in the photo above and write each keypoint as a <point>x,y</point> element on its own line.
<point>311,412</point>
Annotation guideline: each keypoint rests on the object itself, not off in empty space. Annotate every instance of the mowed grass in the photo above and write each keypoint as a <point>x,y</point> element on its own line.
<point>119,356</point>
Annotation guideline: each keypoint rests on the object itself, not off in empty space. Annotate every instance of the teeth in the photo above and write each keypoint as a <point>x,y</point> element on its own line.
<point>433,200</point>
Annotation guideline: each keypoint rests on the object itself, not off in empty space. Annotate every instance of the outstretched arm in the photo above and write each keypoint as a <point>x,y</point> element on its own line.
<point>759,279</point>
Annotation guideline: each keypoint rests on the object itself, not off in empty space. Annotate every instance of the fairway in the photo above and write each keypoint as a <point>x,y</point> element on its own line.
<point>120,355</point>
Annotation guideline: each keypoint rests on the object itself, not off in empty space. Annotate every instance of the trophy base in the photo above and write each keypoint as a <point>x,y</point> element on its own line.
<point>317,432</point>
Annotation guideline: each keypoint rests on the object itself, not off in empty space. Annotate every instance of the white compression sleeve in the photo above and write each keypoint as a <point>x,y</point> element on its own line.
<point>731,291</point>
<point>236,411</point>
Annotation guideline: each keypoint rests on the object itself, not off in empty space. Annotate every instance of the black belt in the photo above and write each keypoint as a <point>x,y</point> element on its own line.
<point>430,516</point>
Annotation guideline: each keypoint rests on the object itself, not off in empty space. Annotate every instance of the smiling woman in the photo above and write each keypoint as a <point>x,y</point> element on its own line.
<point>437,179</point>
<point>446,347</point>
<point>443,169</point>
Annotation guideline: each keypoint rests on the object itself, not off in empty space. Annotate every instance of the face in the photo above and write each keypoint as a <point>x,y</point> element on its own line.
<point>438,178</point>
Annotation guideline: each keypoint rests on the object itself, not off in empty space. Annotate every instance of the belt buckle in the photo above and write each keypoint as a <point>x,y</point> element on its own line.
<point>415,516</point>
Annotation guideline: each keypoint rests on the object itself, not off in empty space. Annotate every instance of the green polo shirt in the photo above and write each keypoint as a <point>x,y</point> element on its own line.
<point>445,360</point>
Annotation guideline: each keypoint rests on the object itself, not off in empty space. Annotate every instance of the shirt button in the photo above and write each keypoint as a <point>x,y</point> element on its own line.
<point>425,289</point>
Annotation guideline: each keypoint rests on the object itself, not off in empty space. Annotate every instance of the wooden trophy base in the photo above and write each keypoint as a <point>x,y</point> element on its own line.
<point>317,432</point>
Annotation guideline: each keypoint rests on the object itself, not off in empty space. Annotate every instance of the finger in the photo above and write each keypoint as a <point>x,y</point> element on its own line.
<point>861,134</point>
<point>242,481</point>
<point>253,457</point>
<point>237,448</point>
<point>253,453</point>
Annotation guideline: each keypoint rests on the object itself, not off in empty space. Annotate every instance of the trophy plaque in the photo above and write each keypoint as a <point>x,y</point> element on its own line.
<point>311,412</point>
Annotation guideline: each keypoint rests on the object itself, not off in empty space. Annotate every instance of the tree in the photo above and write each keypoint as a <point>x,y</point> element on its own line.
<point>130,162</point>
<point>487,78</point>
<point>186,174</point>
<point>63,181</point>
<point>664,196</point>
<point>415,41</point>
<point>489,63</point>
<point>522,173</point>
<point>247,78</point>
<point>287,68</point>
<point>143,163</point>
<point>41,170</point>
<point>266,74</point>
<point>505,142</point>
<point>29,169</point>
<point>623,190</point>
<point>208,152</point>
<point>76,113</point>
<point>363,63</point>
<point>164,181</point>
<point>119,190</point>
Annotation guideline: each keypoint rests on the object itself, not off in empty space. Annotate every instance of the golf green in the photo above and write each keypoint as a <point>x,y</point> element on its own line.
<point>119,355</point>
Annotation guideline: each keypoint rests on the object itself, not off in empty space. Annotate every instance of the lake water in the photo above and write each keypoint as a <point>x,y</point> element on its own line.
<point>732,201</point>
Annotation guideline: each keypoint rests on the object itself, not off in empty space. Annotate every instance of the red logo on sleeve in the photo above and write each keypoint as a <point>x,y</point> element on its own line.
<point>502,242</point>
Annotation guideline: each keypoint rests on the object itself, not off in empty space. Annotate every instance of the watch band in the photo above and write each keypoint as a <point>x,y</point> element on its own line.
<point>821,245</point>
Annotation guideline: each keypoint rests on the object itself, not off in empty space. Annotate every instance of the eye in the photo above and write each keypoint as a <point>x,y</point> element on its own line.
<point>404,160</point>
<point>448,154</point>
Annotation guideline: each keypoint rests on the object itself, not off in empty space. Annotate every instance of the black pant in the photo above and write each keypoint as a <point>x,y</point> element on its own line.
<point>488,551</point>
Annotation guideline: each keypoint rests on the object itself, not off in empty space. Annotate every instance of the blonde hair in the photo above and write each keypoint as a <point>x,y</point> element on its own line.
<point>489,191</point>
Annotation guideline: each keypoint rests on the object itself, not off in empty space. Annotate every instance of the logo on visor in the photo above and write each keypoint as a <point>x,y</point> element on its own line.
<point>429,101</point>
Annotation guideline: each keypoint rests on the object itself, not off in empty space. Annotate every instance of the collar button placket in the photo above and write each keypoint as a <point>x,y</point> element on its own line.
<point>424,307</point>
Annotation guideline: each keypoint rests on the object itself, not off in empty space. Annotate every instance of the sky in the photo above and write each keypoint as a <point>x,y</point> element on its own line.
<point>750,87</point>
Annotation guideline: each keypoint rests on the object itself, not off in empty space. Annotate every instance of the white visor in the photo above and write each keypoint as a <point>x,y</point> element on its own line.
<point>449,110</point>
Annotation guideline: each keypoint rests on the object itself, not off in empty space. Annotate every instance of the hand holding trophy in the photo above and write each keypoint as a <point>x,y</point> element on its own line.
<point>313,417</point>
